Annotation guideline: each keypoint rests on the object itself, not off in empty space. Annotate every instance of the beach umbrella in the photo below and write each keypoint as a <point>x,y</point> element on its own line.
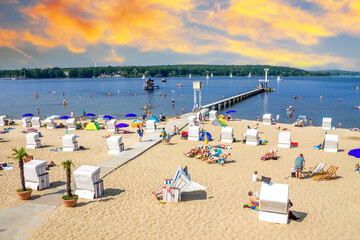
<point>107,117</point>
<point>222,121</point>
<point>355,153</point>
<point>154,118</point>
<point>216,122</point>
<point>231,111</point>
<point>89,115</point>
<point>121,125</point>
<point>27,115</point>
<point>130,115</point>
<point>137,121</point>
<point>65,117</point>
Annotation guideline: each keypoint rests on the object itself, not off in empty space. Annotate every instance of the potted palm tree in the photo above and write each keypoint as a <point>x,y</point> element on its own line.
<point>69,199</point>
<point>23,193</point>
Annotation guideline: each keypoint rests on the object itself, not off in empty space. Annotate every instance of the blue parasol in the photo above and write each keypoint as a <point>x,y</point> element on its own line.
<point>137,121</point>
<point>65,117</point>
<point>107,117</point>
<point>27,115</point>
<point>130,115</point>
<point>231,111</point>
<point>121,125</point>
<point>89,115</point>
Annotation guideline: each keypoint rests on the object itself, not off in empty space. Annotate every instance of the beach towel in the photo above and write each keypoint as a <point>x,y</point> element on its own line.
<point>7,168</point>
<point>253,206</point>
<point>56,149</point>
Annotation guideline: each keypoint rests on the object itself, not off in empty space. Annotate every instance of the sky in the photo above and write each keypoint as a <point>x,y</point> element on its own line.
<point>312,34</point>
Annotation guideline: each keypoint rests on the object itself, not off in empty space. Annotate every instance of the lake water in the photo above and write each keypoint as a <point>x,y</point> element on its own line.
<point>19,98</point>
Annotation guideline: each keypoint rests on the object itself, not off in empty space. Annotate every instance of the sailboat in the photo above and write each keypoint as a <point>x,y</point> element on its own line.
<point>278,78</point>
<point>207,76</point>
<point>249,75</point>
<point>231,75</point>
<point>189,75</point>
<point>143,77</point>
<point>211,75</point>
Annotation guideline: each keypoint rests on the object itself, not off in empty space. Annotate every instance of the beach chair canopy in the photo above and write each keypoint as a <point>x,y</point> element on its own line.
<point>137,121</point>
<point>92,126</point>
<point>154,118</point>
<point>202,138</point>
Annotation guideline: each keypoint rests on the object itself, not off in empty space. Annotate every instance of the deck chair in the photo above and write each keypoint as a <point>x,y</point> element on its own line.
<point>221,160</point>
<point>318,169</point>
<point>318,175</point>
<point>329,175</point>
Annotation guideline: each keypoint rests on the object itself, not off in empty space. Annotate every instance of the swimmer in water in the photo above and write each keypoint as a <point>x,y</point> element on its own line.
<point>339,100</point>
<point>128,92</point>
<point>90,94</point>
<point>109,93</point>
<point>173,101</point>
<point>145,107</point>
<point>320,97</point>
<point>135,94</point>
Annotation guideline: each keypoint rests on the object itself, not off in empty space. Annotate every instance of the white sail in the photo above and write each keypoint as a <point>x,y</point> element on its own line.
<point>231,75</point>
<point>207,76</point>
<point>189,75</point>
<point>143,77</point>
<point>211,74</point>
<point>249,75</point>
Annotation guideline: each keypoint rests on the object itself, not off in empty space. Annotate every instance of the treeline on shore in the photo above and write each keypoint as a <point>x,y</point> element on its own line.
<point>159,71</point>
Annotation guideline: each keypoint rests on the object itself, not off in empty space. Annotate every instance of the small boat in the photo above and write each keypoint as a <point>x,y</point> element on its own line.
<point>249,75</point>
<point>207,76</point>
<point>189,75</point>
<point>179,85</point>
<point>163,80</point>
<point>143,77</point>
<point>279,79</point>
<point>211,75</point>
<point>231,75</point>
<point>358,107</point>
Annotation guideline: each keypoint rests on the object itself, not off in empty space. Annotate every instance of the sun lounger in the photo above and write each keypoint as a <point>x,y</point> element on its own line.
<point>274,203</point>
<point>115,145</point>
<point>227,135</point>
<point>331,143</point>
<point>252,137</point>
<point>318,169</point>
<point>326,123</point>
<point>35,176</point>
<point>36,122</point>
<point>69,143</point>
<point>284,140</point>
<point>194,133</point>
<point>193,121</point>
<point>88,183</point>
<point>213,115</point>
<point>267,119</point>
<point>26,122</point>
<point>150,125</point>
<point>32,140</point>
<point>71,123</point>
<point>329,174</point>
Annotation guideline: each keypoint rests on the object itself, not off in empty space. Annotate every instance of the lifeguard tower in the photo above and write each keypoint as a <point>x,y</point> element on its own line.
<point>263,83</point>
<point>197,85</point>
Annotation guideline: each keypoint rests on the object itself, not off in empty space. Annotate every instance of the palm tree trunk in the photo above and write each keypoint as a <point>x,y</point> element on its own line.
<point>68,182</point>
<point>21,166</point>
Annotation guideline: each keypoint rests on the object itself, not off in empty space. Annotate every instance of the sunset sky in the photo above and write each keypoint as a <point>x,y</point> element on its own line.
<point>313,34</point>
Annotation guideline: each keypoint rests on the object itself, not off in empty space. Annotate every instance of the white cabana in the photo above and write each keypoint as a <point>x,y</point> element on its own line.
<point>331,143</point>
<point>32,140</point>
<point>150,125</point>
<point>69,143</point>
<point>35,176</point>
<point>88,183</point>
<point>227,135</point>
<point>3,120</point>
<point>26,122</point>
<point>50,123</point>
<point>193,121</point>
<point>252,137</point>
<point>274,203</point>
<point>111,125</point>
<point>115,145</point>
<point>212,115</point>
<point>71,123</point>
<point>36,122</point>
<point>194,133</point>
<point>179,184</point>
<point>284,140</point>
<point>267,119</point>
<point>326,123</point>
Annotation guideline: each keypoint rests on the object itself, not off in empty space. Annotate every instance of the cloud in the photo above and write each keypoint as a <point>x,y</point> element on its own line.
<point>113,57</point>
<point>9,2</point>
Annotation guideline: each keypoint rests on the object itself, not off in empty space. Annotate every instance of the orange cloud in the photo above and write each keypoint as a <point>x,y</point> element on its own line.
<point>113,57</point>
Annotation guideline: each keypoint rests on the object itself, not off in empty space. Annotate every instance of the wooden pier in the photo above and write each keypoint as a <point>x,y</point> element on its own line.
<point>224,103</point>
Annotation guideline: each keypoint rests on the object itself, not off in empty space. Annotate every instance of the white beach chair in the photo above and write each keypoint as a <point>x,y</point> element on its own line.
<point>267,119</point>
<point>326,123</point>
<point>35,176</point>
<point>69,143</point>
<point>32,140</point>
<point>227,135</point>
<point>3,120</point>
<point>193,121</point>
<point>179,183</point>
<point>88,183</point>
<point>252,137</point>
<point>274,203</point>
<point>115,145</point>
<point>284,140</point>
<point>331,143</point>
<point>150,125</point>
<point>36,122</point>
<point>26,122</point>
<point>111,125</point>
<point>50,123</point>
<point>194,133</point>
<point>212,115</point>
<point>71,123</point>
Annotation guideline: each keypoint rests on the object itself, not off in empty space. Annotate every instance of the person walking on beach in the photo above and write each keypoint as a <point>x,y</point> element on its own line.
<point>163,135</point>
<point>141,133</point>
<point>340,126</point>
<point>310,122</point>
<point>38,112</point>
<point>277,118</point>
<point>299,165</point>
<point>183,110</point>
<point>258,118</point>
<point>83,113</point>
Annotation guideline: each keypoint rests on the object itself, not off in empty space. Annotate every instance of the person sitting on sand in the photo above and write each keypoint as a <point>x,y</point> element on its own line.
<point>51,164</point>
<point>28,158</point>
<point>159,192</point>
<point>193,152</point>
<point>61,125</point>
<point>357,168</point>
<point>83,118</point>
<point>228,118</point>
<point>255,177</point>
<point>253,198</point>
<point>176,130</point>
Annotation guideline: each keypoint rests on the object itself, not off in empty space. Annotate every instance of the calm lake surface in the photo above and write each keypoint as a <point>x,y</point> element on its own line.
<point>19,98</point>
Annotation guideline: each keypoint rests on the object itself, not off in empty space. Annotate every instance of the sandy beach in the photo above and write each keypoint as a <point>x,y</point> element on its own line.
<point>328,209</point>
